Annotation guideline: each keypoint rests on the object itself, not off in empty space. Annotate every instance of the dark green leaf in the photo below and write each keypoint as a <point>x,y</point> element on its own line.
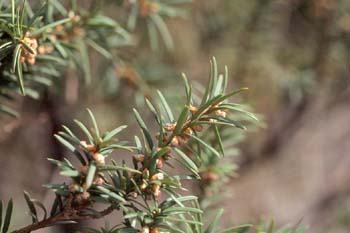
<point>116,168</point>
<point>90,176</point>
<point>206,145</point>
<point>85,130</point>
<point>1,213</point>
<point>144,129</point>
<point>182,120</point>
<point>31,207</point>
<point>237,229</point>
<point>188,163</point>
<point>8,217</point>
<point>111,194</point>
<point>215,222</point>
<point>65,143</point>
<point>166,107</point>
<point>97,131</point>
<point>218,139</point>
<point>70,173</point>
<point>51,25</point>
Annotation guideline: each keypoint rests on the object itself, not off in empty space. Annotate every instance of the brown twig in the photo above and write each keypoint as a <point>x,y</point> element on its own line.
<point>66,215</point>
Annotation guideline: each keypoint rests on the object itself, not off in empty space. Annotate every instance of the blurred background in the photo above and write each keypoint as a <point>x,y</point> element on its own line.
<point>294,55</point>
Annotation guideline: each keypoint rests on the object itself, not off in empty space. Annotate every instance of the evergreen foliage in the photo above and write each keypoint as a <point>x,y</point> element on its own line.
<point>39,43</point>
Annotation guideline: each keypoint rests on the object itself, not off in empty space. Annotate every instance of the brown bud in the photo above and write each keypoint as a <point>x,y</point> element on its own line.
<point>175,141</point>
<point>157,176</point>
<point>145,173</point>
<point>183,139</point>
<point>78,31</point>
<point>145,229</point>
<point>98,181</point>
<point>84,169</point>
<point>73,17</point>
<point>82,198</point>
<point>83,144</point>
<point>31,60</point>
<point>99,158</point>
<point>170,126</point>
<point>154,230</point>
<point>76,18</point>
<point>85,195</point>
<point>159,163</point>
<point>220,113</point>
<point>59,28</point>
<point>41,49</point>
<point>139,158</point>
<point>91,148</point>
<point>188,130</point>
<point>197,128</point>
<point>133,194</point>
<point>209,176</point>
<point>193,109</point>
<point>73,188</point>
<point>143,187</point>
<point>156,190</point>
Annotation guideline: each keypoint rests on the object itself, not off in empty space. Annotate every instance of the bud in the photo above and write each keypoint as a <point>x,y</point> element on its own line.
<point>31,60</point>
<point>98,181</point>
<point>145,173</point>
<point>157,176</point>
<point>85,195</point>
<point>78,31</point>
<point>91,148</point>
<point>188,130</point>
<point>154,230</point>
<point>84,169</point>
<point>59,28</point>
<point>73,188</point>
<point>133,194</point>
<point>83,144</point>
<point>193,109</point>
<point>82,198</point>
<point>220,113</point>
<point>175,141</point>
<point>209,176</point>
<point>156,190</point>
<point>139,158</point>
<point>197,128</point>
<point>159,163</point>
<point>183,139</point>
<point>27,56</point>
<point>73,17</point>
<point>170,126</point>
<point>143,187</point>
<point>145,229</point>
<point>41,49</point>
<point>99,158</point>
<point>166,157</point>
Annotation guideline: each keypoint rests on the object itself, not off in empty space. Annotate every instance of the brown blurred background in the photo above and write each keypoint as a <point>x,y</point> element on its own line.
<point>294,55</point>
